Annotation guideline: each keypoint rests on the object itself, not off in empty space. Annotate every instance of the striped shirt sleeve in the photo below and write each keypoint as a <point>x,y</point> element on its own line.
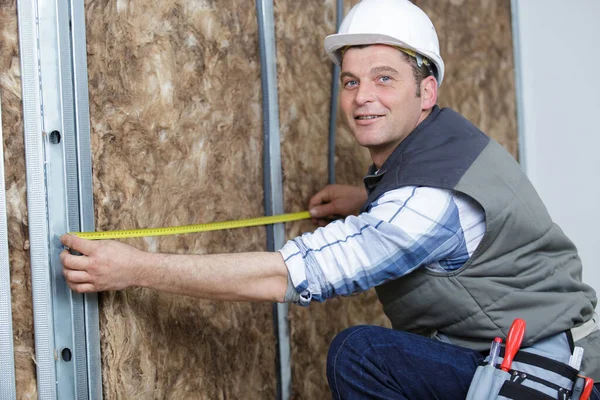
<point>405,229</point>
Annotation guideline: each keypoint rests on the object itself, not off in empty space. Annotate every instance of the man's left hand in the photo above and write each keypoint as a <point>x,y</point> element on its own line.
<point>103,265</point>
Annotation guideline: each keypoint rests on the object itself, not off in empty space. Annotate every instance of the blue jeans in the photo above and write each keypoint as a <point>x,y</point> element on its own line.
<point>371,362</point>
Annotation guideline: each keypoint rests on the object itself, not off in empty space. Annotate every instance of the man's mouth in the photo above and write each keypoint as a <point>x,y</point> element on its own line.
<point>366,117</point>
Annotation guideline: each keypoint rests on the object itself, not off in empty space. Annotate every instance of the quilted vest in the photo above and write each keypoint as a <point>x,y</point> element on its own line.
<point>524,267</point>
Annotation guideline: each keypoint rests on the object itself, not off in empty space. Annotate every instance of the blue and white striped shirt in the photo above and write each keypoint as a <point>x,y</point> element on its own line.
<point>405,229</point>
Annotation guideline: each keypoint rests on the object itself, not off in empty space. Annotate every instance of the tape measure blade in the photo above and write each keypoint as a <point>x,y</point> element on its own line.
<point>176,230</point>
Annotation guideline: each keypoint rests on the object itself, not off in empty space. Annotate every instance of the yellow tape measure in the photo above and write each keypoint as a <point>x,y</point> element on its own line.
<point>177,230</point>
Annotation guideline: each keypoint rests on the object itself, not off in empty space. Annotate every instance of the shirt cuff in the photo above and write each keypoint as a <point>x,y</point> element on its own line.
<point>297,290</point>
<point>291,294</point>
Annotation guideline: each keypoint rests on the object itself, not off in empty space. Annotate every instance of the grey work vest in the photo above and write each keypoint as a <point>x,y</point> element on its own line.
<point>524,267</point>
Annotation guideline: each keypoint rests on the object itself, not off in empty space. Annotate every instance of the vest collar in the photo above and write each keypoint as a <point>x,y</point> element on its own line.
<point>374,175</point>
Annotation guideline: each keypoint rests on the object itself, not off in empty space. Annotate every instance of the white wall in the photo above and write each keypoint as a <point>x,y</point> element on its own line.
<point>557,60</point>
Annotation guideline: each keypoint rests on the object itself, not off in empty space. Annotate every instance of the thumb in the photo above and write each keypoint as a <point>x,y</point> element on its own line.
<point>322,210</point>
<point>76,243</point>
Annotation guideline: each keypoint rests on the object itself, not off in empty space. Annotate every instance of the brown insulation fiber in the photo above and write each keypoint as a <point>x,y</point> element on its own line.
<point>476,44</point>
<point>175,107</point>
<point>176,116</point>
<point>16,202</point>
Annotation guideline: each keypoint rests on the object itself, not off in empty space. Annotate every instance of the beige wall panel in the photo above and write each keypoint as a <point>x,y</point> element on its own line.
<point>476,43</point>
<point>16,201</point>
<point>176,140</point>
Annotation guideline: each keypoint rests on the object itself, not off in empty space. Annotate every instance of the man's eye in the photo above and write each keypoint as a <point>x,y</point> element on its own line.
<point>385,78</point>
<point>350,84</point>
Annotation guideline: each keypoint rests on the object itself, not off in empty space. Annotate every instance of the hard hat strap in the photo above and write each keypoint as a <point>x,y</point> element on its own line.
<point>420,59</point>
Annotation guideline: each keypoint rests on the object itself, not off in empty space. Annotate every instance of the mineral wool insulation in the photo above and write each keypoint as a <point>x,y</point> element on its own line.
<point>176,117</point>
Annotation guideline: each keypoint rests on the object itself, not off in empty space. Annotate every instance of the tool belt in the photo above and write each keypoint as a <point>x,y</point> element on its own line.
<point>541,371</point>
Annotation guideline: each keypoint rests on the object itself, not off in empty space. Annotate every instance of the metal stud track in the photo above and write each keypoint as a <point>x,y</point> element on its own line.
<point>7,355</point>
<point>57,150</point>
<point>273,181</point>
<point>333,108</point>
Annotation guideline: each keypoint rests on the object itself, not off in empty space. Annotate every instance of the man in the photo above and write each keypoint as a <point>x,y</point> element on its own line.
<point>449,231</point>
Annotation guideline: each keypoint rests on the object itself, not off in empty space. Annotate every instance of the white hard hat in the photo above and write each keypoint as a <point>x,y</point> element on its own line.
<point>392,22</point>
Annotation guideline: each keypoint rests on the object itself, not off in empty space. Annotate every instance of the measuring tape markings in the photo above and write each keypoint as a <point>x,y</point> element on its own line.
<point>177,230</point>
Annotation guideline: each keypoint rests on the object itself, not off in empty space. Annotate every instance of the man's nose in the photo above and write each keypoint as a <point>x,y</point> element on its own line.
<point>365,94</point>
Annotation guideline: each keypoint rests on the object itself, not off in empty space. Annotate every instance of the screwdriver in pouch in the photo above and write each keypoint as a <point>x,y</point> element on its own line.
<point>513,342</point>
<point>587,388</point>
<point>494,351</point>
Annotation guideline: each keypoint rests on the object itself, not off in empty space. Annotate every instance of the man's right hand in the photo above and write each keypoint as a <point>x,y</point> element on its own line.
<point>336,201</point>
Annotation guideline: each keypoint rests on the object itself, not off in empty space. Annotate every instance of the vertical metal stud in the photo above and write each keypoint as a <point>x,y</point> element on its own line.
<point>55,112</point>
<point>36,200</point>
<point>7,354</point>
<point>518,84</point>
<point>273,181</point>
<point>335,90</point>
<point>85,191</point>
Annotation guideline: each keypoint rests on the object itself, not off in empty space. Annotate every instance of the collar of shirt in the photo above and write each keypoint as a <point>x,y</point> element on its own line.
<point>373,178</point>
<point>375,175</point>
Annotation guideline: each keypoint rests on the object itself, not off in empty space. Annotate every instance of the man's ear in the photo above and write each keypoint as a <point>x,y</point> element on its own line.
<point>428,93</point>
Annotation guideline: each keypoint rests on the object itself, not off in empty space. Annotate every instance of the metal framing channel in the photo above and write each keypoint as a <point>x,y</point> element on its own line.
<point>86,199</point>
<point>335,89</point>
<point>7,354</point>
<point>518,83</point>
<point>36,200</point>
<point>273,181</point>
<point>55,111</point>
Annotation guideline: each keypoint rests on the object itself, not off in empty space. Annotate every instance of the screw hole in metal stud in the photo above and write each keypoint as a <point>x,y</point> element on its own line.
<point>55,137</point>
<point>66,354</point>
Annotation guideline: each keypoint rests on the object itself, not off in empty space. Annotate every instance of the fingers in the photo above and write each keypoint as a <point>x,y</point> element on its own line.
<point>76,276</point>
<point>73,262</point>
<point>78,280</point>
<point>82,288</point>
<point>322,196</point>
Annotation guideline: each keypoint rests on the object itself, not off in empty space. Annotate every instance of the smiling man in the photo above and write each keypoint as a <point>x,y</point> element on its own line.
<point>447,228</point>
<point>380,99</point>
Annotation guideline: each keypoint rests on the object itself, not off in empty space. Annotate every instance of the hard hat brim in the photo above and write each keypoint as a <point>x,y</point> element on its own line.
<point>336,42</point>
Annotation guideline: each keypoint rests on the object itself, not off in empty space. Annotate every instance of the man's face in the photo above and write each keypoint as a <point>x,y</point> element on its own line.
<point>378,98</point>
